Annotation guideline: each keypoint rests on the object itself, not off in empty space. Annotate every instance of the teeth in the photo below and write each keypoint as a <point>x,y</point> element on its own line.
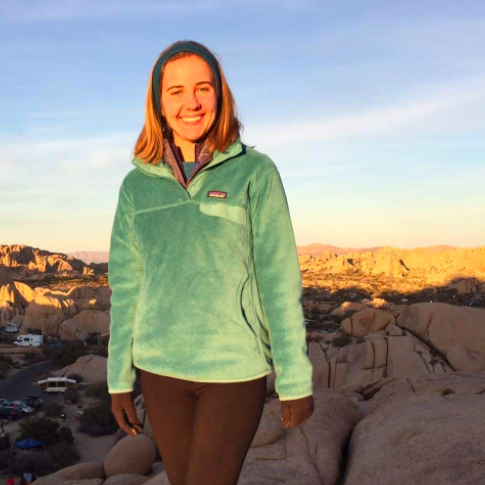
<point>192,119</point>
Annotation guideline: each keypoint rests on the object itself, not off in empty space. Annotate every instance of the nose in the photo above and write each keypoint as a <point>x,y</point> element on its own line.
<point>192,102</point>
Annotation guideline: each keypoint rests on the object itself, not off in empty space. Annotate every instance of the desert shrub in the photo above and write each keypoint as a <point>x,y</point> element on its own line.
<point>33,357</point>
<point>6,457</point>
<point>4,442</point>
<point>342,341</point>
<point>66,355</point>
<point>101,350</point>
<point>37,462</point>
<point>76,377</point>
<point>447,391</point>
<point>63,453</point>
<point>7,359</point>
<point>53,409</point>
<point>101,415</point>
<point>71,395</point>
<point>39,428</point>
<point>65,434</point>
<point>98,390</point>
<point>95,430</point>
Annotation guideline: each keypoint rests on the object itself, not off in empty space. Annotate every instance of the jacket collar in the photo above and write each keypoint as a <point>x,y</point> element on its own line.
<point>168,167</point>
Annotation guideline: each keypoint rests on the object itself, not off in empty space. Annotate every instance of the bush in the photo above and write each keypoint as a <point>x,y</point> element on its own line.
<point>342,341</point>
<point>4,443</point>
<point>101,415</point>
<point>6,457</point>
<point>98,390</point>
<point>65,434</point>
<point>101,350</point>
<point>76,377</point>
<point>64,454</point>
<point>33,357</point>
<point>39,428</point>
<point>53,409</point>
<point>66,355</point>
<point>37,462</point>
<point>71,395</point>
<point>7,359</point>
<point>95,430</point>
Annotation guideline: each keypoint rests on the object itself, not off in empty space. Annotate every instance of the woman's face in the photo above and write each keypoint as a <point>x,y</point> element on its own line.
<point>189,99</point>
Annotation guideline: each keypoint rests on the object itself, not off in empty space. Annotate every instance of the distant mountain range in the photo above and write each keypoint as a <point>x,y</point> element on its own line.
<point>317,249</point>
<point>91,256</point>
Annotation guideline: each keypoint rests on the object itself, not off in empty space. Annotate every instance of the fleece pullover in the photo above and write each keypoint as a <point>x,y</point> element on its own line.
<point>204,274</point>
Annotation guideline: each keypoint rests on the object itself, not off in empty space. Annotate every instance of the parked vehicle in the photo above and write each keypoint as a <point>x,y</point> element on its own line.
<point>29,340</point>
<point>35,402</point>
<point>10,328</point>
<point>23,407</point>
<point>10,413</point>
<point>10,404</point>
<point>55,344</point>
<point>3,401</point>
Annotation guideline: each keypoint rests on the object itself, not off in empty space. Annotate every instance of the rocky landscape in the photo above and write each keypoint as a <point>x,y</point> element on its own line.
<point>397,342</point>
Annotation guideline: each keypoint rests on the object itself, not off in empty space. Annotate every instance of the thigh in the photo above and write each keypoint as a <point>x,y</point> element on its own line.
<point>227,418</point>
<point>171,406</point>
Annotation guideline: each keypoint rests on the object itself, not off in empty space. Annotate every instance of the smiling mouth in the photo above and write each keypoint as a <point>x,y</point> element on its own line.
<point>191,119</point>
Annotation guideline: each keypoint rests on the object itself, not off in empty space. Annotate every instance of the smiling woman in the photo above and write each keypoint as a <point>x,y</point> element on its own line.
<point>205,280</point>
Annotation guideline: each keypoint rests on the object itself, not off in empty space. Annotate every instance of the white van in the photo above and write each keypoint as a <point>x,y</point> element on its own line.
<point>29,340</point>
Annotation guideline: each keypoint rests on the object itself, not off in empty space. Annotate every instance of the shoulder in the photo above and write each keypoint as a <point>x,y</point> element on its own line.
<point>260,162</point>
<point>130,181</point>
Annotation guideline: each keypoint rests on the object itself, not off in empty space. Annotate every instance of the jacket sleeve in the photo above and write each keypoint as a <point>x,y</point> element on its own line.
<point>280,284</point>
<point>125,276</point>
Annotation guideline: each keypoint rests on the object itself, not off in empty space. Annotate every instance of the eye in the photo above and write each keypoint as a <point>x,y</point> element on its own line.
<point>175,92</point>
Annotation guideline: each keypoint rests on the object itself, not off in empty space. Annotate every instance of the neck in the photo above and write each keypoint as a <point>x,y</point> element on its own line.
<point>188,149</point>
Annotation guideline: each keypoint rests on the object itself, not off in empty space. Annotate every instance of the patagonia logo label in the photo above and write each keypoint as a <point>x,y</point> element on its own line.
<point>217,193</point>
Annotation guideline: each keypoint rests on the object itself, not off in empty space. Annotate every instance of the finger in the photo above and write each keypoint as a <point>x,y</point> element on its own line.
<point>133,420</point>
<point>123,423</point>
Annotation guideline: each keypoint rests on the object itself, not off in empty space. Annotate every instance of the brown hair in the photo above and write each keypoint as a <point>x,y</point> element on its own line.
<point>226,127</point>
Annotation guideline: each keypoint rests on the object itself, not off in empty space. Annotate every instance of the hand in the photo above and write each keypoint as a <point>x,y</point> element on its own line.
<point>296,411</point>
<point>124,412</point>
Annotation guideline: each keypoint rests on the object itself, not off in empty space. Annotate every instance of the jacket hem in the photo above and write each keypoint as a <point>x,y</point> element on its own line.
<point>190,378</point>
<point>296,397</point>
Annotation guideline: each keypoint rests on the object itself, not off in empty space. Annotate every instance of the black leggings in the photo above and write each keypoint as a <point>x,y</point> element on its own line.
<point>203,430</point>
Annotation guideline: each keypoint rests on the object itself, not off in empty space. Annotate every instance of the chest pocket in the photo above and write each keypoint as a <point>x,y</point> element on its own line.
<point>234,213</point>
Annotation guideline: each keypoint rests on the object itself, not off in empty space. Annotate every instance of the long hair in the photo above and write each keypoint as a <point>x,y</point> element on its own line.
<point>226,127</point>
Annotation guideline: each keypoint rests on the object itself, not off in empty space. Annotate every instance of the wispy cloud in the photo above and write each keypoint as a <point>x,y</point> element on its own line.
<point>28,162</point>
<point>458,107</point>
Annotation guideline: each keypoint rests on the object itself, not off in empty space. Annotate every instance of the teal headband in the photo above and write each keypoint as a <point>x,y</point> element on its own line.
<point>183,46</point>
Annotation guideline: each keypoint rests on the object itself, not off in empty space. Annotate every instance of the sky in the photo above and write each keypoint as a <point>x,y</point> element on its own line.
<point>372,111</point>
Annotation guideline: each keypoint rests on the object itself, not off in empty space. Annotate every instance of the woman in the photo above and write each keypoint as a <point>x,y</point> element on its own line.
<point>206,286</point>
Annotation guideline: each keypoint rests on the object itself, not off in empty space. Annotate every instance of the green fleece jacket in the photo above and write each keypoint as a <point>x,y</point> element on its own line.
<point>205,279</point>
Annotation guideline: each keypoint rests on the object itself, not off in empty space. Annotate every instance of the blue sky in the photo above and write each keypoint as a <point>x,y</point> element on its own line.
<point>372,111</point>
